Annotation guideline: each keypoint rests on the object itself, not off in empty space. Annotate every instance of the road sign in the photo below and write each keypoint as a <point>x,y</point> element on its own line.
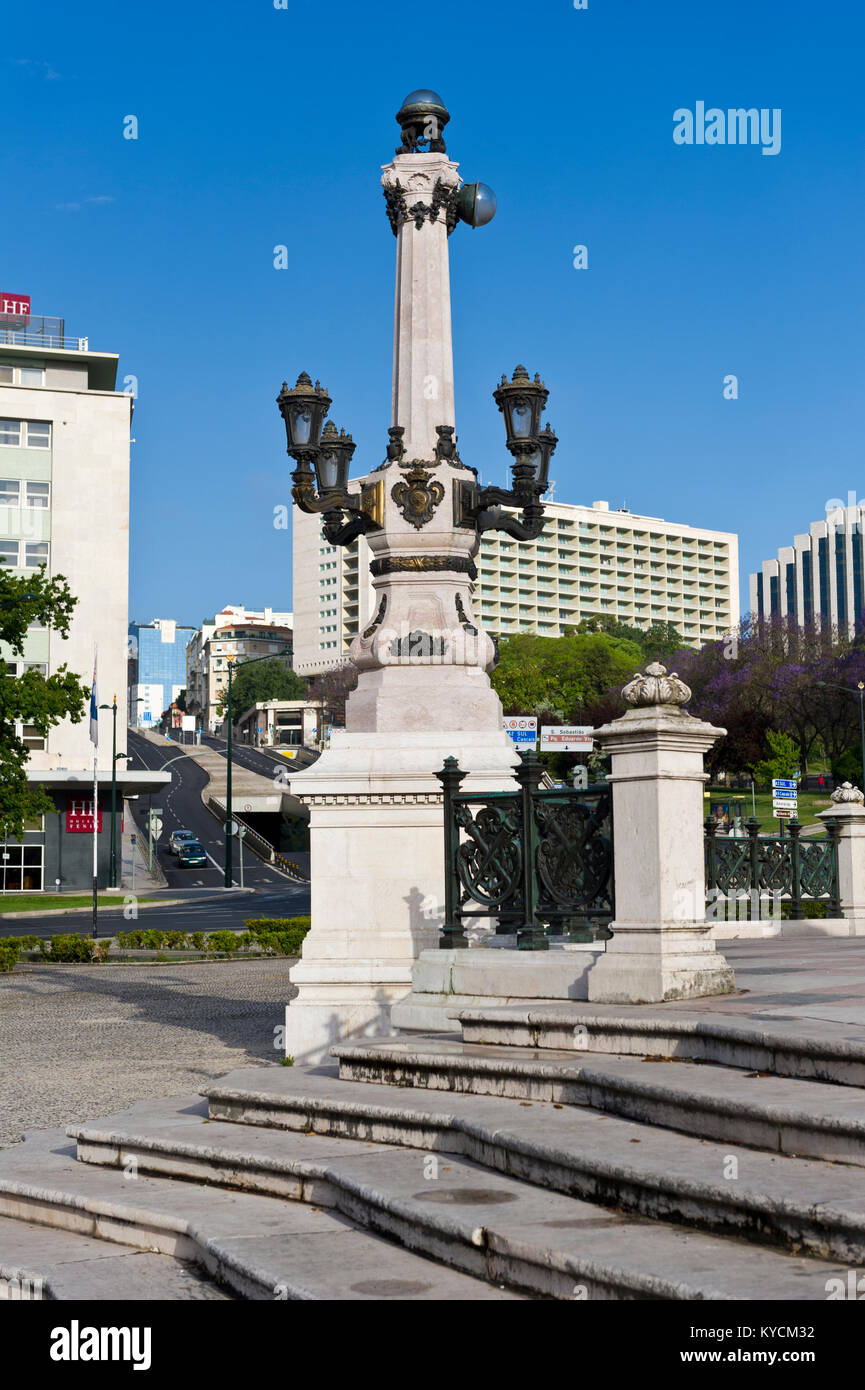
<point>522,728</point>
<point>785,812</point>
<point>567,738</point>
<point>782,794</point>
<point>784,782</point>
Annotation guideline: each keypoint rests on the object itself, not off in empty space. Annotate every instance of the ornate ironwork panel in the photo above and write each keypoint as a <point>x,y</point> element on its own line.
<point>775,867</point>
<point>538,861</point>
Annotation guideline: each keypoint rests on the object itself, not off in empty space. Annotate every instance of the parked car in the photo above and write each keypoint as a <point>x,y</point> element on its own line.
<point>191,855</point>
<point>177,838</point>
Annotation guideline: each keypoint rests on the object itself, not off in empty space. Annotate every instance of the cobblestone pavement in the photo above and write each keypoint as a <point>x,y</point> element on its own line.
<point>81,1041</point>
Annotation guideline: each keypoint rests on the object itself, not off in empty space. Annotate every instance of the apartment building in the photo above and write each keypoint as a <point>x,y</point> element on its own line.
<point>234,634</point>
<point>819,578</point>
<point>588,562</point>
<point>64,503</point>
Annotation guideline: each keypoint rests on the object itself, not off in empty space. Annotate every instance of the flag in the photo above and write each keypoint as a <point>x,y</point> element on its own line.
<point>94,710</point>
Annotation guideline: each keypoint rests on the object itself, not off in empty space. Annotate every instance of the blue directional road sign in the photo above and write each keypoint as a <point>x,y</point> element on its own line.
<point>781,794</point>
<point>783,782</point>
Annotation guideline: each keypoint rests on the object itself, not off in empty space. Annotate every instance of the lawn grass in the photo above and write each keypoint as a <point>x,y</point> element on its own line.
<point>46,902</point>
<point>809,806</point>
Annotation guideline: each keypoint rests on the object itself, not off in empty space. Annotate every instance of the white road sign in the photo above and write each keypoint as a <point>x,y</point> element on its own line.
<point>567,738</point>
<point>523,728</point>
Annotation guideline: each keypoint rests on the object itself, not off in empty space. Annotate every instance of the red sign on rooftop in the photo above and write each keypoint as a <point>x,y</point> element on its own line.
<point>15,307</point>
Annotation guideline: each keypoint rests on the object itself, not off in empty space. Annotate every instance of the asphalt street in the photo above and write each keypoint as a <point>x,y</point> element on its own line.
<point>182,808</point>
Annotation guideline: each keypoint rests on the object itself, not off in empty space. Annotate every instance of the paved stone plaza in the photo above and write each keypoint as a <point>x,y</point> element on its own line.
<point>77,1040</point>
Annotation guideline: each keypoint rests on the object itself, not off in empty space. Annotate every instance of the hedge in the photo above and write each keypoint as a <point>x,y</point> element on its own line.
<point>281,935</point>
<point>10,950</point>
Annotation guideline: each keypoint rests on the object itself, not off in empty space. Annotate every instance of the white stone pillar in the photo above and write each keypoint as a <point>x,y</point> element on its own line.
<point>661,946</point>
<point>420,190</point>
<point>848,813</point>
<point>423,694</point>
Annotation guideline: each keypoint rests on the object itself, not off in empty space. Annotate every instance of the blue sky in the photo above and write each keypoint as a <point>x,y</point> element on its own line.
<point>260,127</point>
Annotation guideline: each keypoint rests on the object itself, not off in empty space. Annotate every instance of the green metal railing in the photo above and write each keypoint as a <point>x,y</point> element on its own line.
<point>538,861</point>
<point>756,868</point>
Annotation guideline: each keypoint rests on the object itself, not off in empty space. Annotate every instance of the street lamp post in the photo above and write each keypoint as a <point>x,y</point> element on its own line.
<point>860,691</point>
<point>286,651</point>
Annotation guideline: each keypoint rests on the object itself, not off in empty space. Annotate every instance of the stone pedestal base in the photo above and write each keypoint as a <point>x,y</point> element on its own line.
<point>443,982</point>
<point>377,874</point>
<point>647,965</point>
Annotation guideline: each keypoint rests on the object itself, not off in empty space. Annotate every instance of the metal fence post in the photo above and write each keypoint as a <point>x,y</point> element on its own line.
<point>530,933</point>
<point>833,833</point>
<point>452,934</point>
<point>753,828</point>
<point>796,912</point>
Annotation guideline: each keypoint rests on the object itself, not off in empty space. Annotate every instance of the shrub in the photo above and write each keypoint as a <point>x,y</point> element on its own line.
<point>811,907</point>
<point>176,940</point>
<point>198,941</point>
<point>73,947</point>
<point>28,943</point>
<point>222,941</point>
<point>283,936</point>
<point>10,950</point>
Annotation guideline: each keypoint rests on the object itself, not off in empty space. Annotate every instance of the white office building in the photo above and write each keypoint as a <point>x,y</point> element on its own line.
<point>817,579</point>
<point>64,503</point>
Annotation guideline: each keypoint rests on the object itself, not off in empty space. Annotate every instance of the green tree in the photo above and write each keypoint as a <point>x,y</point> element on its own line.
<point>262,680</point>
<point>561,673</point>
<point>33,699</point>
<point>783,759</point>
<point>655,642</point>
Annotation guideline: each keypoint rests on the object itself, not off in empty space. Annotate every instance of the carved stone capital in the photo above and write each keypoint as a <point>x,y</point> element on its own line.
<point>655,687</point>
<point>847,792</point>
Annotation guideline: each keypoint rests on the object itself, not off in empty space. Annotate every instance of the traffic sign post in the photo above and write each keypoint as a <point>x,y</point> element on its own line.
<point>785,799</point>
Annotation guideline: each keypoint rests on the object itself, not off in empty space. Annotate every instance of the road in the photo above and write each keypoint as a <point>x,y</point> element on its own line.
<point>182,808</point>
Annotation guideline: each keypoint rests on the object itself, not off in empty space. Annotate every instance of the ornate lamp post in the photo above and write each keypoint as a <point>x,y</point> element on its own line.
<point>423,691</point>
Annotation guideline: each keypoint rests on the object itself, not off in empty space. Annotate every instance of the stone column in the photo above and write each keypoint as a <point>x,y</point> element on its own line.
<point>423,694</point>
<point>848,813</point>
<point>661,948</point>
<point>420,189</point>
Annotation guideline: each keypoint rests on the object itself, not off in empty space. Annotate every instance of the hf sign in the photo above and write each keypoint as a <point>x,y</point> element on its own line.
<point>14,307</point>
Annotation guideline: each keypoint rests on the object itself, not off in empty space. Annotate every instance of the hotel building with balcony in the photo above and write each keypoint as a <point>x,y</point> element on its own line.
<point>589,561</point>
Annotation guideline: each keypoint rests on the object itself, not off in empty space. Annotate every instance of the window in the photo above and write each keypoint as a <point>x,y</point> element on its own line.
<point>40,666</point>
<point>31,376</point>
<point>38,494</point>
<point>21,868</point>
<point>35,554</point>
<point>6,374</point>
<point>31,736</point>
<point>10,492</point>
<point>30,434</point>
<point>9,553</point>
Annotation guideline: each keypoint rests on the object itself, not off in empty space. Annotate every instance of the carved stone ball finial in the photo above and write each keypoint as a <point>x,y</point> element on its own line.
<point>656,688</point>
<point>847,792</point>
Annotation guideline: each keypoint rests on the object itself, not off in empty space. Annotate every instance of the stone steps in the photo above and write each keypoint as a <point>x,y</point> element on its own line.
<point>494,1228</point>
<point>784,1115</point>
<point>252,1247</point>
<point>824,1051</point>
<point>38,1262</point>
<point>719,1187</point>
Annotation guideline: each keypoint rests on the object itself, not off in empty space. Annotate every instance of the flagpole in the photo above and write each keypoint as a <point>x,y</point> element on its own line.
<point>94,739</point>
<point>95,843</point>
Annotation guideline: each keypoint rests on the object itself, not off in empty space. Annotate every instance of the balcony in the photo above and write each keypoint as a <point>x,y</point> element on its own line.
<point>38,332</point>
